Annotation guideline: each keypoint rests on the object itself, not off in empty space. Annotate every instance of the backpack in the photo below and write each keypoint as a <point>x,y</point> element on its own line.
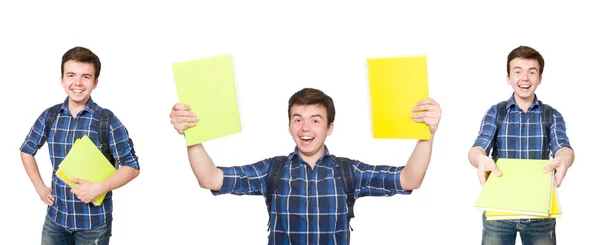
<point>548,113</point>
<point>102,133</point>
<point>344,168</point>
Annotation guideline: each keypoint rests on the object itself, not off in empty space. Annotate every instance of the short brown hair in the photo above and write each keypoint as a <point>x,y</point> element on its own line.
<point>311,96</point>
<point>525,52</point>
<point>81,54</point>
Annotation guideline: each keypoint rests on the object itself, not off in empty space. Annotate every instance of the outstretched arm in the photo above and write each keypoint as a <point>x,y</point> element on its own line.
<point>207,174</point>
<point>562,161</point>
<point>413,173</point>
<point>483,163</point>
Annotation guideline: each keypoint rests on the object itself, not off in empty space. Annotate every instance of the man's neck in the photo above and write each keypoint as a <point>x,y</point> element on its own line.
<point>312,160</point>
<point>524,104</point>
<point>75,108</point>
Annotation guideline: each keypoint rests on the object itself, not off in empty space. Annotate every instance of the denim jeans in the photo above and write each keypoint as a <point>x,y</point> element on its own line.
<point>532,231</point>
<point>54,234</point>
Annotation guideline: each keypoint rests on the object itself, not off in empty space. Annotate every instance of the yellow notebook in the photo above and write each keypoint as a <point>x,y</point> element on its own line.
<point>85,161</point>
<point>523,188</point>
<point>555,212</point>
<point>208,86</point>
<point>396,84</point>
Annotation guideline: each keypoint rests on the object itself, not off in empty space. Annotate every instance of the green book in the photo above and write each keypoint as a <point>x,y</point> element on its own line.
<point>523,188</point>
<point>85,161</point>
<point>208,86</point>
<point>556,212</point>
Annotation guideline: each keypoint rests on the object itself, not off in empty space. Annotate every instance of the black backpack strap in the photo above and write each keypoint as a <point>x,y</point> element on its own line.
<point>104,130</point>
<point>274,174</point>
<point>53,111</point>
<point>500,112</point>
<point>345,170</point>
<point>548,119</point>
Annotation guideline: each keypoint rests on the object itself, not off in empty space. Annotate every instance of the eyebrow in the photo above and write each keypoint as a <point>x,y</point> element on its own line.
<point>518,67</point>
<point>316,115</point>
<point>73,73</point>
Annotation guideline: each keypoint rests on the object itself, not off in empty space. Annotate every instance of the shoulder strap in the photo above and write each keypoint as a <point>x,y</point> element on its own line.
<point>501,111</point>
<point>548,116</point>
<point>50,118</point>
<point>103,135</point>
<point>345,170</point>
<point>274,174</point>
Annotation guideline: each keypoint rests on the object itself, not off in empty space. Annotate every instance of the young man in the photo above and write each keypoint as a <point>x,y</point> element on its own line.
<point>71,217</point>
<point>309,205</point>
<point>524,119</point>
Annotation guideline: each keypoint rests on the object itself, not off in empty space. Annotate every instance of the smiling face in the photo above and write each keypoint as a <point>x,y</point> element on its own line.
<point>524,76</point>
<point>78,80</point>
<point>309,129</point>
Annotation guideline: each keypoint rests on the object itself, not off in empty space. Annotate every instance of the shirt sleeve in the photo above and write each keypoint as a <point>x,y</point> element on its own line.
<point>121,146</point>
<point>245,180</point>
<point>558,133</point>
<point>487,130</point>
<point>379,180</point>
<point>36,137</point>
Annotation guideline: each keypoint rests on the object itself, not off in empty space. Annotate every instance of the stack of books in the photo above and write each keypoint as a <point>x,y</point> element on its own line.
<point>523,191</point>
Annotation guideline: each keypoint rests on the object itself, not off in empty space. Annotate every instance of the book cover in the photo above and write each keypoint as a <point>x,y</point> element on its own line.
<point>522,188</point>
<point>396,84</point>
<point>85,161</point>
<point>555,212</point>
<point>207,85</point>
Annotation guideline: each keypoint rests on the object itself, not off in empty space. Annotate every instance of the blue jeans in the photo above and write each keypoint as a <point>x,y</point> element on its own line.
<point>532,231</point>
<point>54,234</point>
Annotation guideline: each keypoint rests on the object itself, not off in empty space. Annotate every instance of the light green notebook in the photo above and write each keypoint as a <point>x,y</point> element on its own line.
<point>85,161</point>
<point>555,212</point>
<point>523,188</point>
<point>207,85</point>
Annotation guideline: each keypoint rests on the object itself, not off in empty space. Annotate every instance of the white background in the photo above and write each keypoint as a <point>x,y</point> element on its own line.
<point>284,48</point>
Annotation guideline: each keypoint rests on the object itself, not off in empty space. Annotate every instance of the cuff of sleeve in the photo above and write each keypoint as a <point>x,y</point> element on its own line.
<point>482,143</point>
<point>398,183</point>
<point>27,149</point>
<point>227,186</point>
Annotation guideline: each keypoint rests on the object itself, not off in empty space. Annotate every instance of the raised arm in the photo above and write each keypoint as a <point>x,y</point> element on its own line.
<point>411,177</point>
<point>207,174</point>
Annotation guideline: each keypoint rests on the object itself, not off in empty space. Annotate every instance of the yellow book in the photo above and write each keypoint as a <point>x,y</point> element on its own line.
<point>396,84</point>
<point>555,212</point>
<point>85,161</point>
<point>208,86</point>
<point>522,188</point>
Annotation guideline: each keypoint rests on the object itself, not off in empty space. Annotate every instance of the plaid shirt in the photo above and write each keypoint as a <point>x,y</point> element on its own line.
<point>309,205</point>
<point>522,134</point>
<point>67,210</point>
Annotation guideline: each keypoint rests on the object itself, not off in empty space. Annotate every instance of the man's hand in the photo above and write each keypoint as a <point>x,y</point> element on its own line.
<point>86,191</point>
<point>45,194</point>
<point>429,112</point>
<point>560,166</point>
<point>485,165</point>
<point>182,118</point>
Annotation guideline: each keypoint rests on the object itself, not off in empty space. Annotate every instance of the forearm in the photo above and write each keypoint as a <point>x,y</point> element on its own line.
<point>208,176</point>
<point>566,153</point>
<point>475,153</point>
<point>123,176</point>
<point>32,170</point>
<point>413,173</point>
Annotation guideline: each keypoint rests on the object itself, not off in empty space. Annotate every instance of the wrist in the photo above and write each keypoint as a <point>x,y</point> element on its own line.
<point>104,186</point>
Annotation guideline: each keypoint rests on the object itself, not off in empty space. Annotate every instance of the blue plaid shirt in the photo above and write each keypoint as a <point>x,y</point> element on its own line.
<point>521,134</point>
<point>309,205</point>
<point>67,210</point>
